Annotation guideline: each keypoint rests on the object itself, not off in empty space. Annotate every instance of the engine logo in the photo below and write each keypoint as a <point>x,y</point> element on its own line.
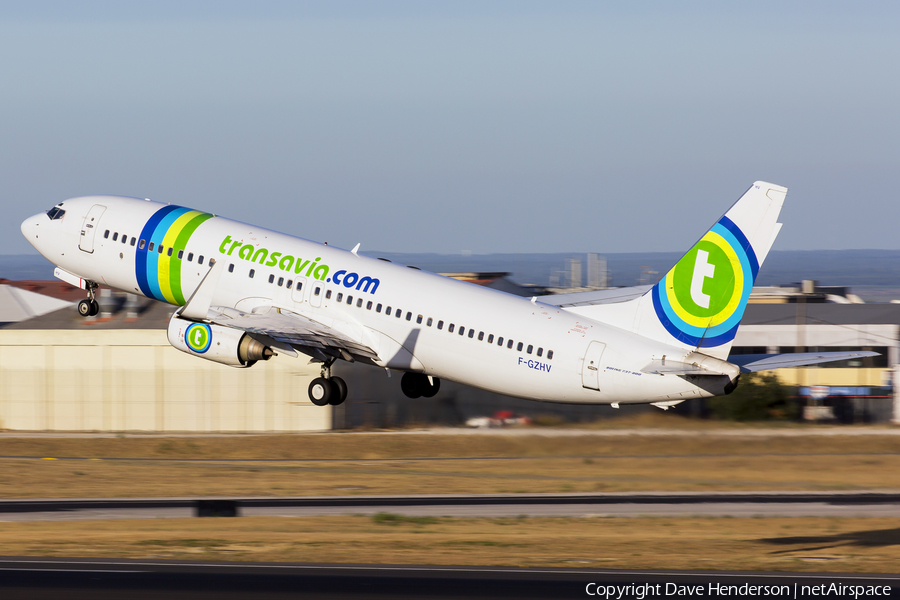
<point>701,300</point>
<point>198,337</point>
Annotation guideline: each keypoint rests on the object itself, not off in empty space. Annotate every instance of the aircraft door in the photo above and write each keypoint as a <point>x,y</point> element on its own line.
<point>299,291</point>
<point>89,228</point>
<point>590,372</point>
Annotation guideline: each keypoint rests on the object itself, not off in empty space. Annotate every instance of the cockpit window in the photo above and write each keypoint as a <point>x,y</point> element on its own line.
<point>55,213</point>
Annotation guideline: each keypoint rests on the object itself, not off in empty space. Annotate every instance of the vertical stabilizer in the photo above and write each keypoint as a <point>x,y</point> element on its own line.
<point>700,301</point>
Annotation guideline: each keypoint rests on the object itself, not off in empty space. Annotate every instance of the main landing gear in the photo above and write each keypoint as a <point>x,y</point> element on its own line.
<point>327,389</point>
<point>89,307</point>
<point>418,385</point>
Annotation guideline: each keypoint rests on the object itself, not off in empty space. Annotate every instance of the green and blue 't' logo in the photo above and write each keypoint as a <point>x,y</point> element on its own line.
<point>702,299</point>
<point>198,337</point>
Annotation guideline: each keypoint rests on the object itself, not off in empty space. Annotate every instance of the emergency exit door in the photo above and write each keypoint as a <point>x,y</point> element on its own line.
<point>590,371</point>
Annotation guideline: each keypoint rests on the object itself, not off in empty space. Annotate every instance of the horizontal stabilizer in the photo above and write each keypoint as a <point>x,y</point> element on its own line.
<point>750,363</point>
<point>671,367</point>
<point>595,297</point>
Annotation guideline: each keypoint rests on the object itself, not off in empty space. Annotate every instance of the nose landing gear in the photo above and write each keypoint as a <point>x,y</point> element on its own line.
<point>327,389</point>
<point>89,307</point>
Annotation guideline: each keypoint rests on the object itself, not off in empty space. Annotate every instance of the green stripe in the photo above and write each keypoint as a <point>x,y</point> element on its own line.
<point>180,244</point>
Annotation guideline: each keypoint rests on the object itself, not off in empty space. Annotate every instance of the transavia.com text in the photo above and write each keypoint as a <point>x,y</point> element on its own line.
<point>641,591</point>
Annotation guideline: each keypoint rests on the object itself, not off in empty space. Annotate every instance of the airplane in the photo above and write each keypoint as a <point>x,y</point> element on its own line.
<point>244,294</point>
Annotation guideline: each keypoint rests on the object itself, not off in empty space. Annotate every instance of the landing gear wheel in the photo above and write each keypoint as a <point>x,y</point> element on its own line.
<point>340,391</point>
<point>95,308</point>
<point>321,391</point>
<point>85,308</point>
<point>430,391</point>
<point>411,385</point>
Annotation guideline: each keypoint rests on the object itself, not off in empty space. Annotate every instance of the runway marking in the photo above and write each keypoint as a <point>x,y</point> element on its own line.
<point>464,569</point>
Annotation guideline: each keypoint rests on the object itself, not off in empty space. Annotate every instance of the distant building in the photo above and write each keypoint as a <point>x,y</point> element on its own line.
<point>118,372</point>
<point>573,268</point>
<point>596,271</point>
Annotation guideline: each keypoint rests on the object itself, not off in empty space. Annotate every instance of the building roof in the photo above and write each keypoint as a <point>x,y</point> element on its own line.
<point>19,305</point>
<point>53,288</point>
<point>117,312</point>
<point>822,314</point>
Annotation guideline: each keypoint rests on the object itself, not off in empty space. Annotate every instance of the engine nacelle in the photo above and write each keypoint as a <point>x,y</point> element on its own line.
<point>224,345</point>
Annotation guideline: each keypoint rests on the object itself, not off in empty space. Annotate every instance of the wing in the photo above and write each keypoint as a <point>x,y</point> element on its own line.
<point>277,327</point>
<point>750,363</point>
<point>595,297</point>
<point>294,330</point>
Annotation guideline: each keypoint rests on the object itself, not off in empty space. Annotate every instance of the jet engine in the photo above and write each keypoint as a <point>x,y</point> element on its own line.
<point>224,345</point>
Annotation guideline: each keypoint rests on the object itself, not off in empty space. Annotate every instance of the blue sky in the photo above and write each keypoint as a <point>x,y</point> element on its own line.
<point>460,126</point>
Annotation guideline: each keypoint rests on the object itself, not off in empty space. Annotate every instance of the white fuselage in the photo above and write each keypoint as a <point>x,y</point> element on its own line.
<point>551,353</point>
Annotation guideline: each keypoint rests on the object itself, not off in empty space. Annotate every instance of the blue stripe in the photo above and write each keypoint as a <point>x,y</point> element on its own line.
<point>141,257</point>
<point>153,257</point>
<point>744,243</point>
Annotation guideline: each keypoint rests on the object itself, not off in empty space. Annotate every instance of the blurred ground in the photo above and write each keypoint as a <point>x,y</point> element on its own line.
<point>631,456</point>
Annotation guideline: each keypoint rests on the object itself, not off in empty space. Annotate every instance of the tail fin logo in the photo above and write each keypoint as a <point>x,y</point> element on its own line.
<point>701,300</point>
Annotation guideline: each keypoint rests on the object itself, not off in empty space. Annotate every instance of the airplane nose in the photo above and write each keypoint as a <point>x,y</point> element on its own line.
<point>31,228</point>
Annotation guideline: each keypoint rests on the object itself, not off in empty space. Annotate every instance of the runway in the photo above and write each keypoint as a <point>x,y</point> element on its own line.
<point>37,578</point>
<point>726,504</point>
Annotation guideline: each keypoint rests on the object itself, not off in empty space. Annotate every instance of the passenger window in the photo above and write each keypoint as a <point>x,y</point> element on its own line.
<point>529,349</point>
<point>271,278</point>
<point>327,295</point>
<point>340,296</point>
<point>115,236</point>
<point>450,328</point>
<point>169,252</point>
<point>252,273</point>
<point>419,319</point>
<point>499,341</point>
<point>317,290</point>
<point>429,321</point>
<point>398,313</point>
<point>480,336</point>
<point>549,354</point>
<point>440,324</point>
<point>359,303</point>
<point>124,239</point>
<point>190,257</point>
<point>509,344</point>
<point>369,305</point>
<point>142,244</point>
<point>540,352</point>
<point>378,308</point>
<point>409,316</point>
<point>299,285</point>
<point>212,261</point>
<point>491,339</point>
<point>200,260</point>
<point>280,281</point>
<point>519,347</point>
<point>231,268</point>
<point>160,248</point>
<point>151,247</point>
<point>133,241</point>
<point>180,254</point>
<point>462,330</point>
<point>388,311</point>
<point>290,282</point>
<point>106,235</point>
<point>349,299</point>
<point>471,333</point>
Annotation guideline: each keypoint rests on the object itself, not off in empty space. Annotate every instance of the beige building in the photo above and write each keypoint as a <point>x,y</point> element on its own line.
<point>133,380</point>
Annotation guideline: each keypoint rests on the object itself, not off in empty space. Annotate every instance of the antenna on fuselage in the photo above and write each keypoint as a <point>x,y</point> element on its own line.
<point>355,248</point>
